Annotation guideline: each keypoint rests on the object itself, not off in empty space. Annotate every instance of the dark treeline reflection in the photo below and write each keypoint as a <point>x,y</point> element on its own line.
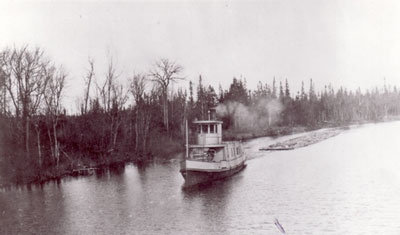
<point>116,123</point>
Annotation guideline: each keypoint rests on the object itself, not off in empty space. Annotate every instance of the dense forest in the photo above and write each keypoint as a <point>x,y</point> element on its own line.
<point>115,123</point>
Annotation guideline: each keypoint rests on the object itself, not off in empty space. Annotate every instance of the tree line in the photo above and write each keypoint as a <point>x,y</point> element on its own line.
<point>39,140</point>
<point>115,123</point>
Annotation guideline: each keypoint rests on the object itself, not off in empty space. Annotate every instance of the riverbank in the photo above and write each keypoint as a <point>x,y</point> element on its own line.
<point>163,151</point>
<point>166,151</point>
<point>55,173</point>
<point>269,132</point>
<point>278,131</point>
<point>79,164</point>
<point>317,135</point>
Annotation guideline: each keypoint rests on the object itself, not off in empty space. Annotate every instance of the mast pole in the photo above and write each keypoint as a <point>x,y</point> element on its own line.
<point>187,140</point>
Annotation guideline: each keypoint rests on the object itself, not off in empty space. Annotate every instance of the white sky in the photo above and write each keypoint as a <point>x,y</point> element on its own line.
<point>349,43</point>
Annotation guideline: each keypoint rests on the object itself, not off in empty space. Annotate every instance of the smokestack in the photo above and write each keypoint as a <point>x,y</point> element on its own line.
<point>212,114</point>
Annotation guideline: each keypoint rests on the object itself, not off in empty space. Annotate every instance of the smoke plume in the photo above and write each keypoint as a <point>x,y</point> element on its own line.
<point>261,115</point>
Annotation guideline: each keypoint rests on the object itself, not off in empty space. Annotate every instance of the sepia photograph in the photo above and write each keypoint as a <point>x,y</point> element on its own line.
<point>221,117</point>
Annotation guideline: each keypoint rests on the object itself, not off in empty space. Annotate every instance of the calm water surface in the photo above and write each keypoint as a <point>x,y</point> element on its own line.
<point>349,184</point>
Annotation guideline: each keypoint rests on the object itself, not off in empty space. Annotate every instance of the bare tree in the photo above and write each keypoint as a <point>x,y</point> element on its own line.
<point>137,87</point>
<point>25,82</point>
<point>107,89</point>
<point>149,100</point>
<point>119,97</point>
<point>163,73</point>
<point>113,97</point>
<point>3,93</point>
<point>88,81</point>
<point>53,95</point>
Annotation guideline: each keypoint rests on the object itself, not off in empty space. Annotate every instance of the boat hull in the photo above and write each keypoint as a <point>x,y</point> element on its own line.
<point>195,177</point>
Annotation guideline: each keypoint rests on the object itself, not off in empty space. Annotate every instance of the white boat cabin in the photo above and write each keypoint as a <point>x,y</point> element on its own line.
<point>209,146</point>
<point>209,132</point>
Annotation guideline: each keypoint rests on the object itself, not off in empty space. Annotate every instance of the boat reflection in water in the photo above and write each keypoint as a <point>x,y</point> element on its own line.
<point>210,158</point>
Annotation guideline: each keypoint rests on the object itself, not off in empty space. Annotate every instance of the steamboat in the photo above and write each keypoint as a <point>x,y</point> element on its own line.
<point>210,158</point>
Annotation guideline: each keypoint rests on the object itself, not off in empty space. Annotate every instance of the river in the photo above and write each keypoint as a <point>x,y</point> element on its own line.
<point>348,184</point>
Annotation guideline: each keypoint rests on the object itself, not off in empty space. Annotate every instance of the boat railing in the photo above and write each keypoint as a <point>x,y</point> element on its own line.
<point>201,158</point>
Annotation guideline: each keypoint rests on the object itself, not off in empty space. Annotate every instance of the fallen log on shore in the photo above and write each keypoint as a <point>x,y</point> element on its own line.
<point>276,149</point>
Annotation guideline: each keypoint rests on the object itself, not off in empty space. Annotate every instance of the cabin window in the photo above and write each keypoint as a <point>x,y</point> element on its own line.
<point>212,128</point>
<point>197,154</point>
<point>199,129</point>
<point>205,128</point>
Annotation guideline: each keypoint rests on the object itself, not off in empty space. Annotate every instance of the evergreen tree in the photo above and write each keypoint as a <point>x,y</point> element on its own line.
<point>200,105</point>
<point>287,91</point>
<point>281,93</point>
<point>221,94</point>
<point>237,92</point>
<point>303,96</point>
<point>191,99</point>
<point>274,89</point>
<point>311,93</point>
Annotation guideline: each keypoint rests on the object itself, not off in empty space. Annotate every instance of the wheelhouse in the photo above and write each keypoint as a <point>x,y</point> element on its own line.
<point>208,132</point>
